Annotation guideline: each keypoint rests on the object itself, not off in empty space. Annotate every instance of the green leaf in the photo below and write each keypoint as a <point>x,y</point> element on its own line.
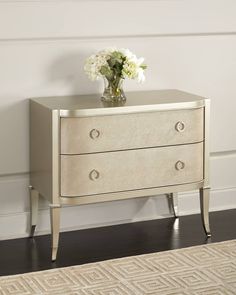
<point>111,62</point>
<point>143,66</point>
<point>107,72</point>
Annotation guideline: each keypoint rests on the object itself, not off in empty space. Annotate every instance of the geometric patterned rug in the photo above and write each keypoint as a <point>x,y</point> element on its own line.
<point>201,270</point>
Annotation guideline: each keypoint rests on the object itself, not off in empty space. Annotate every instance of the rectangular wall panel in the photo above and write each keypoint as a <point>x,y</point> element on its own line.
<point>65,19</point>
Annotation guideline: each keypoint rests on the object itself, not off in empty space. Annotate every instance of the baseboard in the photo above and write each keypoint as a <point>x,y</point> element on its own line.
<point>112,213</point>
<point>220,199</point>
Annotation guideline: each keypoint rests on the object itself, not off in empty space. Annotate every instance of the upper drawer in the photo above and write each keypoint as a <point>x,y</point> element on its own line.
<point>131,131</point>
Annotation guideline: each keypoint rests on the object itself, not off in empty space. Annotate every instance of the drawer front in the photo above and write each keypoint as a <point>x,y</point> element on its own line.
<point>130,170</point>
<point>130,131</point>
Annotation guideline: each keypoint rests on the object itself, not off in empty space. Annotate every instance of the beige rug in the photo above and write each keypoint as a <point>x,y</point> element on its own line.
<point>200,270</point>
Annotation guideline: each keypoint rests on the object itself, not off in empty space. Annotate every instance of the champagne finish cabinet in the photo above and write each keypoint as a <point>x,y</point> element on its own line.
<point>85,151</point>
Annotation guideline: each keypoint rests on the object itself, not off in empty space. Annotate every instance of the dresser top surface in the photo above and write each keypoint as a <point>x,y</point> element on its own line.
<point>142,100</point>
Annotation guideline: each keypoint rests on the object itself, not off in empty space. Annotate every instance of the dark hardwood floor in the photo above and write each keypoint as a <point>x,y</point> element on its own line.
<point>90,245</point>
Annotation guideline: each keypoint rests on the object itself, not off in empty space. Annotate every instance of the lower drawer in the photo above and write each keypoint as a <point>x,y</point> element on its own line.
<point>130,170</point>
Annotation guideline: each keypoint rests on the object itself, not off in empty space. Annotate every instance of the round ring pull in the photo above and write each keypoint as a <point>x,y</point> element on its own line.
<point>179,165</point>
<point>94,133</point>
<point>94,175</point>
<point>180,126</point>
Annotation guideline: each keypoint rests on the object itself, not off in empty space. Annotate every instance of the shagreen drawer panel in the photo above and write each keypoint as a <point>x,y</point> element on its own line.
<point>130,170</point>
<point>131,131</point>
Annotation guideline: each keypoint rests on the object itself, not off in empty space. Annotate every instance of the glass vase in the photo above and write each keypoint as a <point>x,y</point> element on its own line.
<point>113,91</point>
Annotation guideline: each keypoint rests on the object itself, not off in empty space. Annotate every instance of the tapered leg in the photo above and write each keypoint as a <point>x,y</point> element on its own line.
<point>55,229</point>
<point>173,203</point>
<point>34,200</point>
<point>204,204</point>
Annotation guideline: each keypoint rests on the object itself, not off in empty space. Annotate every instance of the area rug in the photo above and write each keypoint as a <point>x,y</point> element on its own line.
<point>201,270</point>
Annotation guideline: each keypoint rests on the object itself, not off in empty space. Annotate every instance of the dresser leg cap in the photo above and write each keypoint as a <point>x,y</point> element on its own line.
<point>54,254</point>
<point>32,231</point>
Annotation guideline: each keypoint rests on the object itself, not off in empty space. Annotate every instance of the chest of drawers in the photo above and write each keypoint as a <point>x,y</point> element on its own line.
<point>82,151</point>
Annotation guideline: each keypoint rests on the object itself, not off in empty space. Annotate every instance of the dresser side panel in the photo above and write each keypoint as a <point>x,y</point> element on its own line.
<point>207,143</point>
<point>41,149</point>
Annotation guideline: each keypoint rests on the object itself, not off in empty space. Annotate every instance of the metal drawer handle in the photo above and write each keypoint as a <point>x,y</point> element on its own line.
<point>94,175</point>
<point>180,126</point>
<point>94,133</point>
<point>179,165</point>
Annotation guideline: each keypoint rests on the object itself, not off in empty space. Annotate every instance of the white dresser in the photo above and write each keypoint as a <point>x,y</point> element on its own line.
<point>82,151</point>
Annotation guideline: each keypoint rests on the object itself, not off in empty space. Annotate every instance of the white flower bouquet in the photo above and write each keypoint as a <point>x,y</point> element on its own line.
<point>114,65</point>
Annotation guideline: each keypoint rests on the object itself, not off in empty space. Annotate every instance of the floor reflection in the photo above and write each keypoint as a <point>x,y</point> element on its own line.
<point>33,254</point>
<point>175,241</point>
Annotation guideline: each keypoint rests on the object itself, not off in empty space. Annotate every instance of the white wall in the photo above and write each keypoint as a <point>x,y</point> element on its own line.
<point>188,44</point>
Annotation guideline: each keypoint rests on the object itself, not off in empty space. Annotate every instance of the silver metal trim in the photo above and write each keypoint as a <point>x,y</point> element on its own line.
<point>204,194</point>
<point>206,142</point>
<point>100,198</point>
<point>54,253</point>
<point>34,201</point>
<point>130,110</point>
<point>55,230</point>
<point>55,156</point>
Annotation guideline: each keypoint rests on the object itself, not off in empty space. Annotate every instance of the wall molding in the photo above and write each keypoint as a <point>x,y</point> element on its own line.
<point>223,154</point>
<point>112,37</point>
<point>14,175</point>
<point>66,1</point>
